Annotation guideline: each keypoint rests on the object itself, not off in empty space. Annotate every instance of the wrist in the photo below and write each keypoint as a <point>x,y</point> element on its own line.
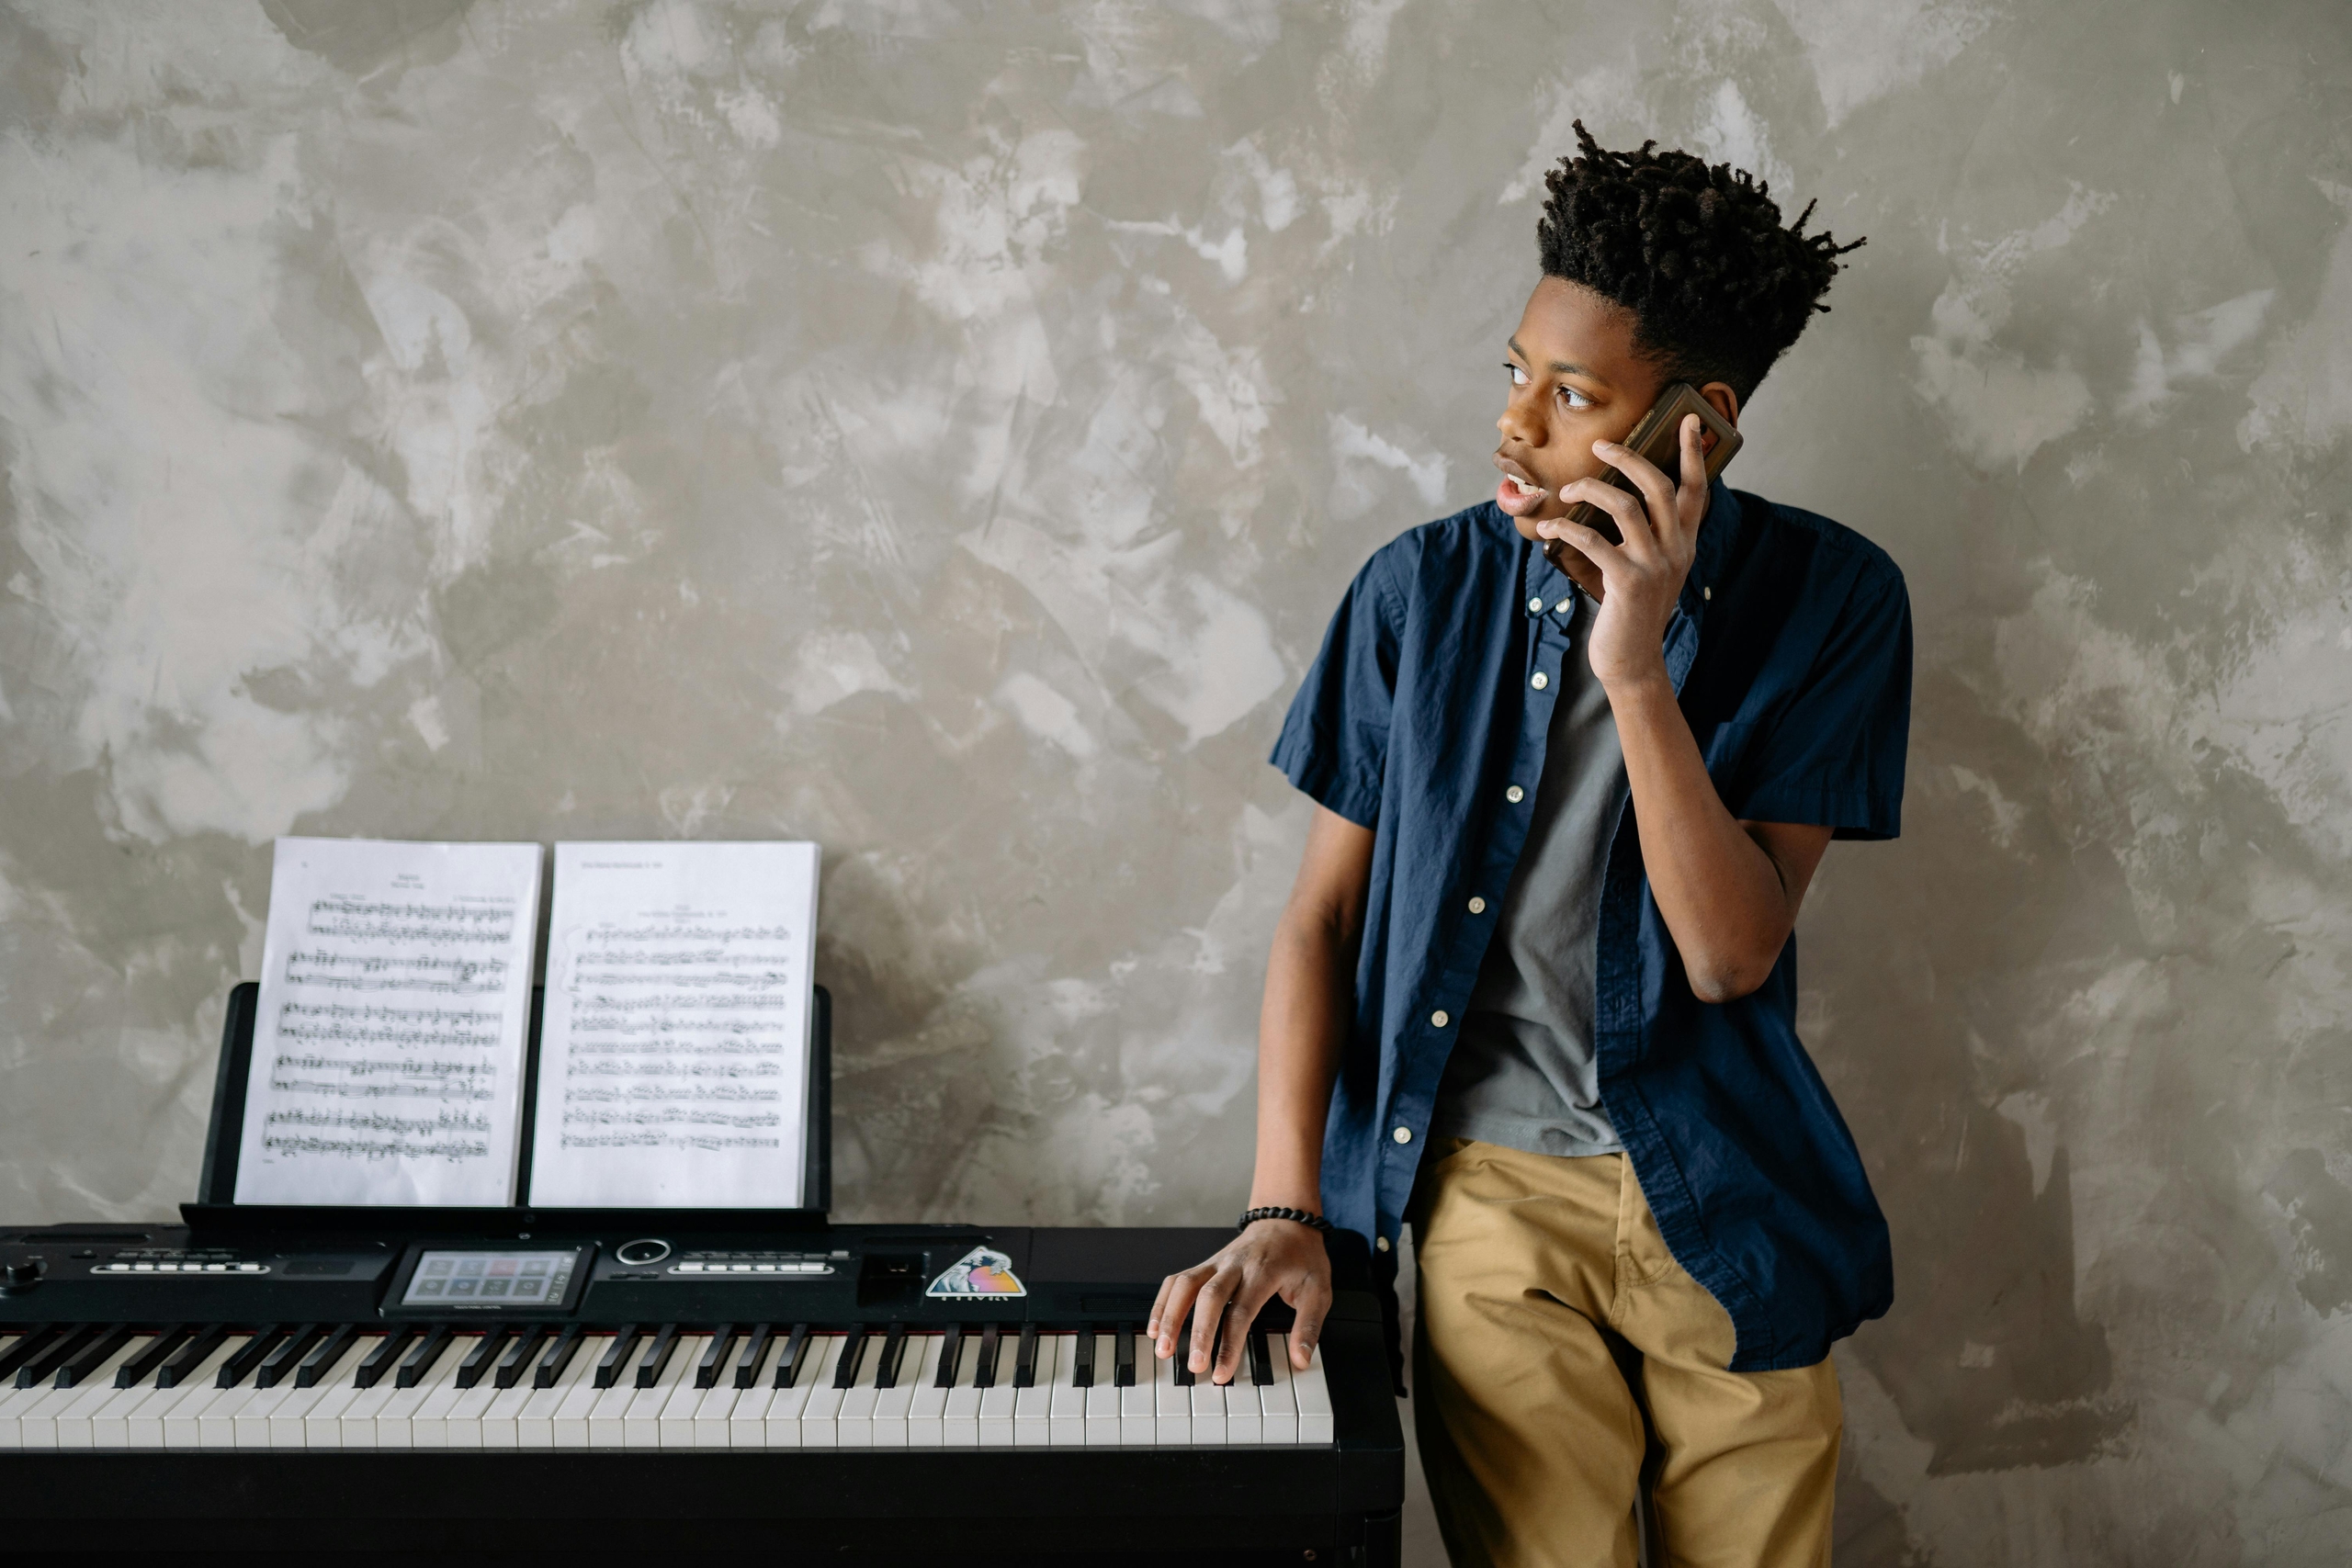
<point>1632,688</point>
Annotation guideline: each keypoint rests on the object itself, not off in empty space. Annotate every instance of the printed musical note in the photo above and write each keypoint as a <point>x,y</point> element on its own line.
<point>674,1062</point>
<point>387,1053</point>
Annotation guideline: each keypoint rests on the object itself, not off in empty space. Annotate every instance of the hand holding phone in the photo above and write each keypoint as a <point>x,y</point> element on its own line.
<point>1658,438</point>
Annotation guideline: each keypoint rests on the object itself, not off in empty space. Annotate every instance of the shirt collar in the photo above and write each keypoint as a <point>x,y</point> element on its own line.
<point>1718,533</point>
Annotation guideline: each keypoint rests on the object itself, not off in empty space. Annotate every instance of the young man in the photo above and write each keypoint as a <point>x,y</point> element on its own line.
<point>1535,991</point>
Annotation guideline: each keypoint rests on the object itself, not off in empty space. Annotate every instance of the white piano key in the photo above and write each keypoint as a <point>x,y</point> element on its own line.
<point>76,1424</point>
<point>997,1400</point>
<point>918,1364</point>
<point>676,1426</point>
<point>642,1423</point>
<point>252,1417</point>
<point>216,1424</point>
<point>557,1416</point>
<point>289,1423</point>
<point>396,1422</point>
<point>1103,1399</point>
<point>1031,1404</point>
<point>608,1410</point>
<point>109,1425</point>
<point>959,1419</point>
<point>927,1411</point>
<point>1245,1415</point>
<point>820,1417</point>
<point>1208,1412</point>
<point>429,1428</point>
<point>1172,1405</point>
<point>500,1422</point>
<point>355,1423</point>
<point>1315,1423</point>
<point>37,1420</point>
<point>853,1423</point>
<point>1066,1410</point>
<point>322,1422</point>
<point>1281,1406</point>
<point>178,1416</point>
<point>782,1428</point>
<point>1138,1423</point>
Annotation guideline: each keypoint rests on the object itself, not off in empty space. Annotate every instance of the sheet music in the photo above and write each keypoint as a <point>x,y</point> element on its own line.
<point>673,1059</point>
<point>395,997</point>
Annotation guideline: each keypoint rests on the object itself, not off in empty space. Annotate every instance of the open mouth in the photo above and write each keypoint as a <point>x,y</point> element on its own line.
<point>1518,494</point>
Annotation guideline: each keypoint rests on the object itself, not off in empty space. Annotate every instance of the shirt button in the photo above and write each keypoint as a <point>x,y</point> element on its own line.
<point>1536,605</point>
<point>1381,1242</point>
<point>1564,606</point>
<point>1403,1134</point>
<point>1477,905</point>
<point>1514,795</point>
<point>1706,593</point>
<point>1440,1019</point>
<point>1541,681</point>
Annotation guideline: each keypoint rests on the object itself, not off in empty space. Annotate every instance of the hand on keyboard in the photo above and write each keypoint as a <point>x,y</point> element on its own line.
<point>1272,1257</point>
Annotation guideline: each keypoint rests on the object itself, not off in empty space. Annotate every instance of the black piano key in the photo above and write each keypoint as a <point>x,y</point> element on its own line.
<point>796,1351</point>
<point>1261,1366</point>
<point>1184,1353</point>
<point>92,1356</point>
<point>950,1350</point>
<point>1122,1370</point>
<point>190,1355</point>
<point>1082,1367</point>
<point>482,1357</point>
<point>894,1345</point>
<point>323,1359</point>
<point>559,1357</point>
<point>755,1350</point>
<point>609,1371</point>
<point>53,1355</point>
<point>420,1360</point>
<point>234,1369</point>
<point>517,1363</point>
<point>287,1356</point>
<point>31,1343</point>
<point>133,1373</point>
<point>853,1351</point>
<point>983,1370</point>
<point>714,1357</point>
<point>666,1345</point>
<point>1024,1365</point>
<point>384,1356</point>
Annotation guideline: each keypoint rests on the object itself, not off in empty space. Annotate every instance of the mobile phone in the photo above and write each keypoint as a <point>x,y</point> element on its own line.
<point>1657,437</point>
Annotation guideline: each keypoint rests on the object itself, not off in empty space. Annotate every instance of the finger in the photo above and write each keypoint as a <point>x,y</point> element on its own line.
<point>1657,491</point>
<point>1306,1326</point>
<point>1151,1324</point>
<point>1206,1308</point>
<point>1183,1287</point>
<point>1691,496</point>
<point>1239,1317</point>
<point>1592,543</point>
<point>1629,512</point>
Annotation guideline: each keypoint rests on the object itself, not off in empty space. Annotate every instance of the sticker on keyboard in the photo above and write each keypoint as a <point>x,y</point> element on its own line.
<point>979,1272</point>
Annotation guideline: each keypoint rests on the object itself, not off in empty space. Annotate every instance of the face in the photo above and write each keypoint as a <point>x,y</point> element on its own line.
<point>1576,378</point>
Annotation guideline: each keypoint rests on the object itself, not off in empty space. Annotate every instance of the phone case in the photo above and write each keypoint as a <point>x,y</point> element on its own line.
<point>1657,437</point>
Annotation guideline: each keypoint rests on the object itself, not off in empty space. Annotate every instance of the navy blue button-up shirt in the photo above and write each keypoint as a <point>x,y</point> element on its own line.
<point>1791,654</point>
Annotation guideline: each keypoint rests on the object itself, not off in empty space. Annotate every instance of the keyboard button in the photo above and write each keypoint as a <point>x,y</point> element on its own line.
<point>641,1421</point>
<point>382,1359</point>
<point>714,1357</point>
<point>1066,1410</point>
<point>616,1355</point>
<point>1033,1401</point>
<point>1171,1401</point>
<point>153,1354</point>
<point>1275,1398</point>
<point>927,1411</point>
<point>281,1363</point>
<point>93,1353</point>
<point>559,1358</point>
<point>189,1358</point>
<point>326,1355</point>
<point>514,1367</point>
<point>479,1360</point>
<point>1314,1421</point>
<point>755,1350</point>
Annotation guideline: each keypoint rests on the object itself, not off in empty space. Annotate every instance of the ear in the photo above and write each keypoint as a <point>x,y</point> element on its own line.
<point>1724,401</point>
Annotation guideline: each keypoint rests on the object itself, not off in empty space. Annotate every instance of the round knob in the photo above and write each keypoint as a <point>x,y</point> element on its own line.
<point>646,1251</point>
<point>23,1274</point>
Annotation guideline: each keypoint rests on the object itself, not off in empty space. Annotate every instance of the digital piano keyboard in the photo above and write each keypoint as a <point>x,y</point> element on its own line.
<point>628,1382</point>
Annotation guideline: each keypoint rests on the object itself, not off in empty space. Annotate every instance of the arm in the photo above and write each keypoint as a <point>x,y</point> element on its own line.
<point>1729,890</point>
<point>1311,994</point>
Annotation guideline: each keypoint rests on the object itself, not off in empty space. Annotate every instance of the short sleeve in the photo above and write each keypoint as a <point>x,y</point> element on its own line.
<point>1834,756</point>
<point>1334,744</point>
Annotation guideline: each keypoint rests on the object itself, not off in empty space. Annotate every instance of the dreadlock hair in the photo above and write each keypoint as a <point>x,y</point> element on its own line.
<point>1718,288</point>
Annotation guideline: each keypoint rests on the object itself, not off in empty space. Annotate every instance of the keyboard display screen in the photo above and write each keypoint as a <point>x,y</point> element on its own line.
<point>490,1279</point>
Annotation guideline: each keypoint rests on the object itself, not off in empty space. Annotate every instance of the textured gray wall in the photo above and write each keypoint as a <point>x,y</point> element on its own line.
<point>941,431</point>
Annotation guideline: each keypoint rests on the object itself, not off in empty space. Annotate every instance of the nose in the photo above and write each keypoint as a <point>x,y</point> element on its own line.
<point>1516,425</point>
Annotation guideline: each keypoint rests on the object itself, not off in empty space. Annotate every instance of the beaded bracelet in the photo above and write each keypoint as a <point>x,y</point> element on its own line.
<point>1312,1221</point>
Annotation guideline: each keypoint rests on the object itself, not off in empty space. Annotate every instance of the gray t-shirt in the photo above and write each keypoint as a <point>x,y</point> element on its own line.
<point>1522,1073</point>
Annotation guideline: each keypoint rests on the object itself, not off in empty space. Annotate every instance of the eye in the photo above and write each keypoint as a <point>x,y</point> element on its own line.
<point>1518,376</point>
<point>1575,398</point>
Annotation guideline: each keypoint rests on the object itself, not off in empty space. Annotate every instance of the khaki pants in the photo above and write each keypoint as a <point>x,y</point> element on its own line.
<point>1529,1436</point>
